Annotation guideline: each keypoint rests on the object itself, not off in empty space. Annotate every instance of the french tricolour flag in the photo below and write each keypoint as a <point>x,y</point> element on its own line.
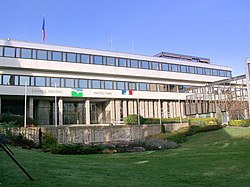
<point>43,30</point>
<point>127,92</point>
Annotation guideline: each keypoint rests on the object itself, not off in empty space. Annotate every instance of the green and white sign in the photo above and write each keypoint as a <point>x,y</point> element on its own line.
<point>76,92</point>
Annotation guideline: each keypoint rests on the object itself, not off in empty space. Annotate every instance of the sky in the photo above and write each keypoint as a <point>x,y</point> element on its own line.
<point>215,29</point>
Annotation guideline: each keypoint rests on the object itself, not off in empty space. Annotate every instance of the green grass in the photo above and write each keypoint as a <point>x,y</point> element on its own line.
<point>218,158</point>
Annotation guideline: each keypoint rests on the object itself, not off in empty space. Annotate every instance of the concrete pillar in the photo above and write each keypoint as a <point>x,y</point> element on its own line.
<point>159,109</point>
<point>0,105</point>
<point>87,112</point>
<point>130,107</point>
<point>112,110</point>
<point>118,110</point>
<point>211,115</point>
<point>146,109</point>
<point>182,109</point>
<point>142,108</point>
<point>60,111</point>
<point>125,108</point>
<point>177,105</point>
<point>31,107</point>
<point>165,109</point>
<point>135,106</point>
<point>171,110</point>
<point>155,109</point>
<point>151,109</point>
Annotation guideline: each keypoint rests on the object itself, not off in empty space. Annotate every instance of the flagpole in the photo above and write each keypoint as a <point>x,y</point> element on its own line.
<point>55,109</point>
<point>25,104</point>
<point>138,103</point>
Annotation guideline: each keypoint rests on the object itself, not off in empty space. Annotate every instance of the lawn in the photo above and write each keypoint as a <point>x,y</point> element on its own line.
<point>219,158</point>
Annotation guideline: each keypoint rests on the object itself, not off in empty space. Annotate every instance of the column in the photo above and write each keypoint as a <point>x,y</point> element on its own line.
<point>60,111</point>
<point>31,107</point>
<point>182,109</point>
<point>87,112</point>
<point>142,108</point>
<point>118,110</point>
<point>130,107</point>
<point>146,109</point>
<point>0,105</point>
<point>159,109</point>
<point>165,109</point>
<point>155,109</point>
<point>151,109</point>
<point>177,104</point>
<point>171,110</point>
<point>125,108</point>
<point>112,110</point>
<point>135,106</point>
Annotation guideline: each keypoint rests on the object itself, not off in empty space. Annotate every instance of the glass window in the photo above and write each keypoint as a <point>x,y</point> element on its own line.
<point>69,83</point>
<point>32,81</point>
<point>199,71</point>
<point>84,58</point>
<point>120,85</point>
<point>108,85</point>
<point>229,73</point>
<point>40,81</point>
<point>132,86</point>
<point>122,62</point>
<point>163,87</point>
<point>49,55</point>
<point>64,57</point>
<point>33,53</point>
<point>191,69</point>
<point>55,82</point>
<point>48,81</point>
<point>62,82</point>
<point>24,80</point>
<point>56,56</point>
<point>110,61</point>
<point>78,58</point>
<point>172,88</point>
<point>183,69</point>
<point>215,72</point>
<point>165,67</point>
<point>1,51</point>
<point>143,86</point>
<point>10,80</point>
<point>83,83</point>
<point>222,73</point>
<point>71,57</point>
<point>174,67</point>
<point>134,63</point>
<point>96,84</point>
<point>17,52</point>
<point>152,87</point>
<point>97,60</point>
<point>9,51</point>
<point>144,65</point>
<point>25,53</point>
<point>207,71</point>
<point>41,54</point>
<point>155,65</point>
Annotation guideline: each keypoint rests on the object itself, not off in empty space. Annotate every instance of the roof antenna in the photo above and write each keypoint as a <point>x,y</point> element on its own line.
<point>111,42</point>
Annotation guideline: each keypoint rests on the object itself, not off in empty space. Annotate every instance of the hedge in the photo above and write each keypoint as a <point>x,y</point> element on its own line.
<point>239,123</point>
<point>18,120</point>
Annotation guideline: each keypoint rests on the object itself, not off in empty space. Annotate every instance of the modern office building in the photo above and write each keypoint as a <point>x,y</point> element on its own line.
<point>86,86</point>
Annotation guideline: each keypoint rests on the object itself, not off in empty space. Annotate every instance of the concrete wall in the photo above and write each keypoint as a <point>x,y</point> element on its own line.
<point>96,134</point>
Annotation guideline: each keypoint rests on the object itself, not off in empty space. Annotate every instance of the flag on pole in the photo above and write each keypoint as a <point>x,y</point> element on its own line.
<point>43,30</point>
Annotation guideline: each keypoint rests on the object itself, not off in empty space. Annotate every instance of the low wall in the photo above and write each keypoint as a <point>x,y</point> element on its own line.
<point>96,134</point>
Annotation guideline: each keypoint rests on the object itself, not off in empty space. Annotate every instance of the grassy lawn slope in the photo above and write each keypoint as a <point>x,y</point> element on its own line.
<point>218,158</point>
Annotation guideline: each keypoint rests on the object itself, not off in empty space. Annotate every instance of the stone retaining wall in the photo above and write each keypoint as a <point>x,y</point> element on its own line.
<point>96,134</point>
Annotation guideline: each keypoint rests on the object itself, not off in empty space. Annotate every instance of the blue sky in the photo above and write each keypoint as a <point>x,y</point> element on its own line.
<point>215,29</point>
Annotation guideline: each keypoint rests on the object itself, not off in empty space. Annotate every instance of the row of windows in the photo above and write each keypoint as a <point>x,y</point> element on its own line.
<point>20,80</point>
<point>103,60</point>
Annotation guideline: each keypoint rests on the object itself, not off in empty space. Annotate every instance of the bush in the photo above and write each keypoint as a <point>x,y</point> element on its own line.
<point>133,119</point>
<point>9,124</point>
<point>163,129</point>
<point>239,123</point>
<point>16,119</point>
<point>154,144</point>
<point>77,149</point>
<point>49,142</point>
<point>163,120</point>
<point>202,121</point>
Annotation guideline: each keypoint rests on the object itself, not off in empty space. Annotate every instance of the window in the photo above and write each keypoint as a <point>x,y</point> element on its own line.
<point>174,67</point>
<point>207,71</point>
<point>69,83</point>
<point>222,73</point>
<point>56,56</point>
<point>181,88</point>
<point>17,52</point>
<point>162,87</point>
<point>71,57</point>
<point>33,53</point>
<point>97,60</point>
<point>110,61</point>
<point>183,69</point>
<point>143,86</point>
<point>122,62</point>
<point>108,85</point>
<point>40,81</point>
<point>55,82</point>
<point>62,82</point>
<point>83,83</point>
<point>24,80</point>
<point>134,63</point>
<point>155,65</point>
<point>10,80</point>
<point>49,55</point>
<point>41,54</point>
<point>152,87</point>
<point>78,56</point>
<point>215,72</point>
<point>172,88</point>
<point>25,53</point>
<point>1,51</point>
<point>85,59</point>
<point>96,84</point>
<point>120,85</point>
<point>132,86</point>
<point>229,73</point>
<point>199,71</point>
<point>32,81</point>
<point>9,51</point>
<point>165,67</point>
<point>191,69</point>
<point>144,65</point>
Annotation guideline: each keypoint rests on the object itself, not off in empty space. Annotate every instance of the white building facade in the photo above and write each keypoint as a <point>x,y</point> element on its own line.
<point>97,87</point>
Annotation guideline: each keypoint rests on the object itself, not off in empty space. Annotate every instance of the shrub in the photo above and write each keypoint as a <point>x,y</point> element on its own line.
<point>218,117</point>
<point>7,124</point>
<point>163,129</point>
<point>202,121</point>
<point>154,144</point>
<point>133,119</point>
<point>77,149</point>
<point>48,141</point>
<point>239,123</point>
<point>16,119</point>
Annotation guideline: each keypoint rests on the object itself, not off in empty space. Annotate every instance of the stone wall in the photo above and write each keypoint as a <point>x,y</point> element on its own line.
<point>96,134</point>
